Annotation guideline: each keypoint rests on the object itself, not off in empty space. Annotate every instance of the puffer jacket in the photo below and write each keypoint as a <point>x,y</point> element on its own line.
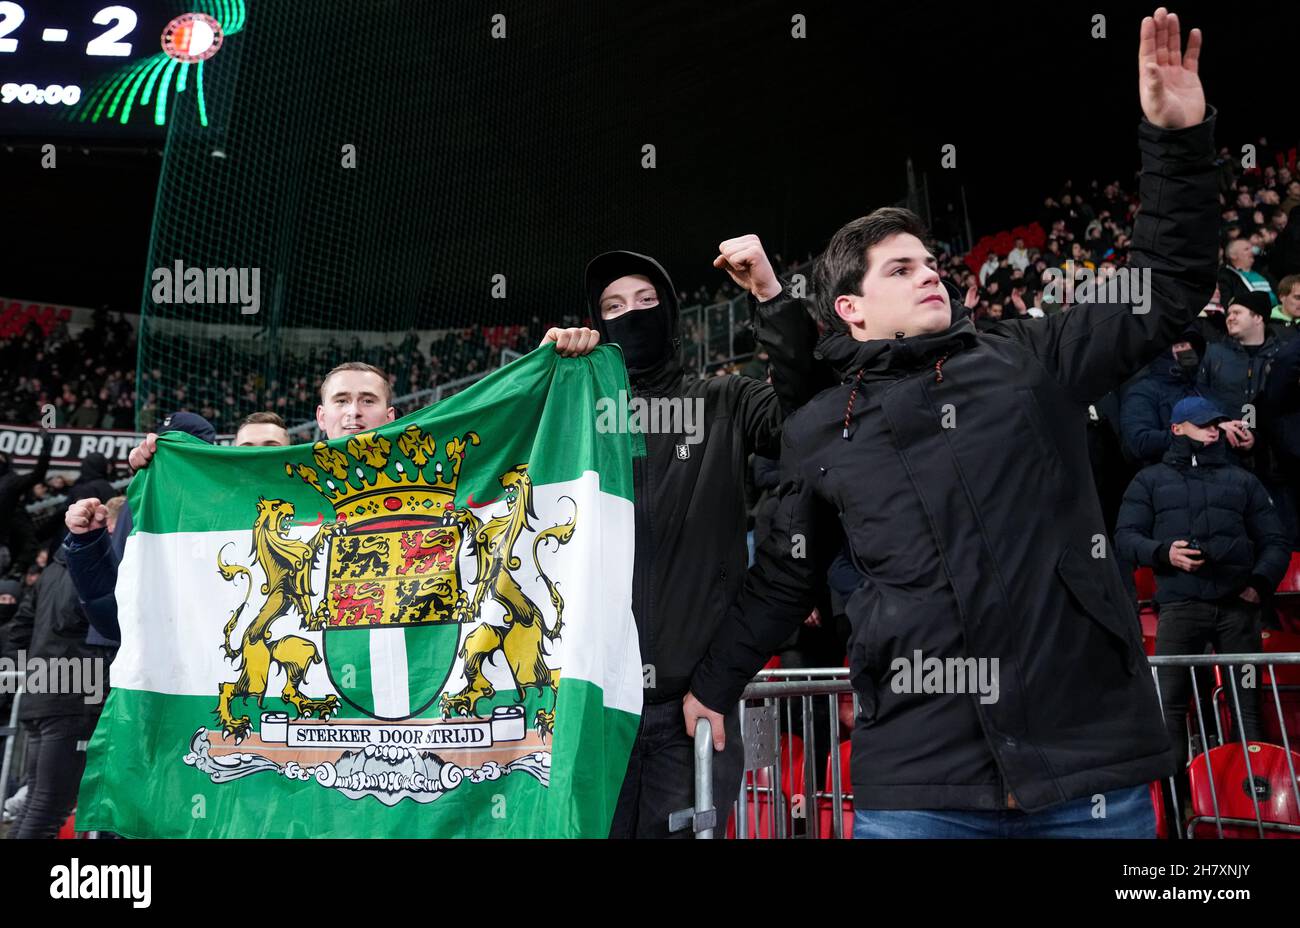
<point>1199,495</point>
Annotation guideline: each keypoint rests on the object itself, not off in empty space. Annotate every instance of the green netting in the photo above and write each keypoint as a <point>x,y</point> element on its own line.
<point>446,192</point>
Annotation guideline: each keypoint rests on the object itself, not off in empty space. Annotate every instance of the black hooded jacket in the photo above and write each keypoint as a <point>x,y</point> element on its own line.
<point>964,491</point>
<point>93,481</point>
<point>690,497</point>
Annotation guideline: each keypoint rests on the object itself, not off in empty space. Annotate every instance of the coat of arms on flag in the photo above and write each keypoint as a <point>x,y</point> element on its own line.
<point>384,619</point>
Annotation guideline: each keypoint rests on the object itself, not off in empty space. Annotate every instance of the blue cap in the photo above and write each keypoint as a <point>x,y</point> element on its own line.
<point>189,422</point>
<point>1197,410</point>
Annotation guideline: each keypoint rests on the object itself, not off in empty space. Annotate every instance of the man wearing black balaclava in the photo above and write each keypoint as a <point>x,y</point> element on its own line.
<point>690,502</point>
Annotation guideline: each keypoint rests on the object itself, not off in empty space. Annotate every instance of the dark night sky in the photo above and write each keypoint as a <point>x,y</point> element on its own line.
<point>755,132</point>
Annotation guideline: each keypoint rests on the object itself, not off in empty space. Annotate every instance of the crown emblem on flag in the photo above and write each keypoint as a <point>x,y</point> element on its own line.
<point>361,488</point>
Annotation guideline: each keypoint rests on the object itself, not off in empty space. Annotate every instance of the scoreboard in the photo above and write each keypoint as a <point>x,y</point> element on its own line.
<point>97,68</point>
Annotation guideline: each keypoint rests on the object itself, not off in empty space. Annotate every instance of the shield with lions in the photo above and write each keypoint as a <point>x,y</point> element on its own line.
<point>392,593</point>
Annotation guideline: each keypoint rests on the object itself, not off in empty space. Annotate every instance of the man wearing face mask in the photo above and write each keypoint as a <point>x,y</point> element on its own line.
<point>690,501</point>
<point>1146,403</point>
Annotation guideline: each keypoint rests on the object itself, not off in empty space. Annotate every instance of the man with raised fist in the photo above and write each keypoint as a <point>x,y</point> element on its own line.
<point>955,462</point>
<point>690,511</point>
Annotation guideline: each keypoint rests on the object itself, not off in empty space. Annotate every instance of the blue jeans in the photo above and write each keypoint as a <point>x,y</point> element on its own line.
<point>1128,814</point>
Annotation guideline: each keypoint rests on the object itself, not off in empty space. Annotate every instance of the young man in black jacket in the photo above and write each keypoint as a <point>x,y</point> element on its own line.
<point>1209,530</point>
<point>690,510</point>
<point>956,464</point>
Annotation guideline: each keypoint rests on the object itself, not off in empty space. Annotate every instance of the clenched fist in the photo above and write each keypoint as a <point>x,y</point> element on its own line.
<point>86,515</point>
<point>572,343</point>
<point>744,259</point>
<point>142,453</point>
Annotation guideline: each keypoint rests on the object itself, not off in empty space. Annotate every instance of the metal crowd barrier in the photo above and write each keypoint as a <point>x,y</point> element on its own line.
<point>12,732</point>
<point>793,784</point>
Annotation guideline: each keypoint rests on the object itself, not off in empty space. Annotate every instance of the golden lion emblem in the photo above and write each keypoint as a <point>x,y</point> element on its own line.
<point>522,635</point>
<point>287,564</point>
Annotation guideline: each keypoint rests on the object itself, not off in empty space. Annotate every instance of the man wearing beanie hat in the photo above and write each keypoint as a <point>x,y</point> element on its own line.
<point>1217,548</point>
<point>690,510</point>
<point>1234,369</point>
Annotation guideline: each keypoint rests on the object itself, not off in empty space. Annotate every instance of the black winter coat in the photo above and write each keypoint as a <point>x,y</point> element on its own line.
<point>51,625</point>
<point>1146,405</point>
<point>976,540</point>
<point>1199,495</point>
<point>690,511</point>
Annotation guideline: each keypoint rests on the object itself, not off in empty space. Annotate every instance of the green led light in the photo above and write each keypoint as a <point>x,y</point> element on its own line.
<point>156,63</point>
<point>136,83</point>
<point>203,106</point>
<point>136,70</point>
<point>154,74</point>
<point>160,109</point>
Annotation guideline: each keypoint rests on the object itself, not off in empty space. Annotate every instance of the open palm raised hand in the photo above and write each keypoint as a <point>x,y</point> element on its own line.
<point>1168,80</point>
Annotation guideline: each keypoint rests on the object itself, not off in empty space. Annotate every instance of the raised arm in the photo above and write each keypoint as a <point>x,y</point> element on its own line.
<point>1097,345</point>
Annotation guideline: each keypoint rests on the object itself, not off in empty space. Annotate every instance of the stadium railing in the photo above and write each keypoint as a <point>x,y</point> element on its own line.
<point>793,786</point>
<point>12,733</point>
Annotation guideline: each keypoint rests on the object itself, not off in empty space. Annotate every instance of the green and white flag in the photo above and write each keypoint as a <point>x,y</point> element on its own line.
<point>420,631</point>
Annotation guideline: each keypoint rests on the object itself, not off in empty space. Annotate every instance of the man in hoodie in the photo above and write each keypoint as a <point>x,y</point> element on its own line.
<point>955,462</point>
<point>690,513</point>
<point>1217,548</point>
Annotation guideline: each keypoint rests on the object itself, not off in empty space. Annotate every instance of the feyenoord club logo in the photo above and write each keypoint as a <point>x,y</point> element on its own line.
<point>192,37</point>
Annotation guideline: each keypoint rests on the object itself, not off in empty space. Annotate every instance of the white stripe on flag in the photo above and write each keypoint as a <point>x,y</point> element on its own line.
<point>388,673</point>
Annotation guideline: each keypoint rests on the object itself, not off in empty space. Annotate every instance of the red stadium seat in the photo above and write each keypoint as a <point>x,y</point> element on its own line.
<point>1162,815</point>
<point>1145,581</point>
<point>1280,642</point>
<point>825,822</point>
<point>1271,726</point>
<point>773,663</point>
<point>1291,580</point>
<point>1225,768</point>
<point>1147,616</point>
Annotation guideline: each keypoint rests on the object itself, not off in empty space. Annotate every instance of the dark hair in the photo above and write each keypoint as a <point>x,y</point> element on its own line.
<point>263,418</point>
<point>841,267</point>
<point>365,368</point>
